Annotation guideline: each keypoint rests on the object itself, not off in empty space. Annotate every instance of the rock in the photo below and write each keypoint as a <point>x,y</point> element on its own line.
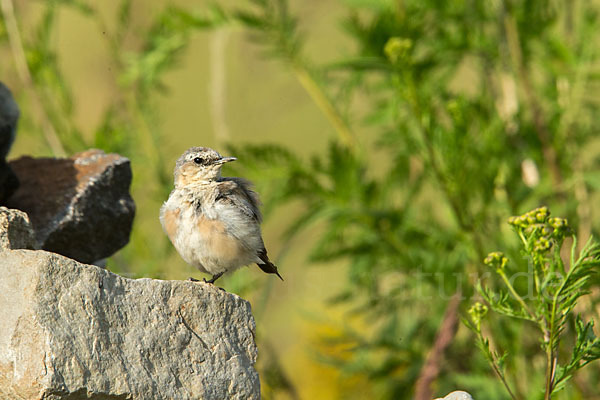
<point>15,230</point>
<point>457,395</point>
<point>9,117</point>
<point>75,331</point>
<point>79,207</point>
<point>8,182</point>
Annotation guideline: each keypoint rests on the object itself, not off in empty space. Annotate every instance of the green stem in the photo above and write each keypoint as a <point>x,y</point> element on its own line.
<point>536,278</point>
<point>495,366</point>
<point>516,295</point>
<point>550,356</point>
<point>522,237</point>
<point>549,370</point>
<point>18,52</point>
<point>319,97</point>
<point>503,380</point>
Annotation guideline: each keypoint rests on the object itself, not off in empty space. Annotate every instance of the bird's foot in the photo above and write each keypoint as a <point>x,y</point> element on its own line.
<point>214,278</point>
<point>211,281</point>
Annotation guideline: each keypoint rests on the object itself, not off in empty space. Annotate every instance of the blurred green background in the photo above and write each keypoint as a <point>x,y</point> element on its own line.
<point>389,141</point>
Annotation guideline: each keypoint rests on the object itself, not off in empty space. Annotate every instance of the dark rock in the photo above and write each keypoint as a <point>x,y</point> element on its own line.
<point>8,182</point>
<point>9,117</point>
<point>79,207</point>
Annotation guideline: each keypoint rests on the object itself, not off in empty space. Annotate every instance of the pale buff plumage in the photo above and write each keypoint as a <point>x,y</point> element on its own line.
<point>213,222</point>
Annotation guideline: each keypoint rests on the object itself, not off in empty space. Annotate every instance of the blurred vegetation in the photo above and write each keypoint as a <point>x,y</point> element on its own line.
<point>446,117</point>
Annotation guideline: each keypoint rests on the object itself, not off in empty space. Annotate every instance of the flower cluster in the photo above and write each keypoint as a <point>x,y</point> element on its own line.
<point>542,244</point>
<point>397,49</point>
<point>560,226</point>
<point>542,230</point>
<point>477,313</point>
<point>496,260</point>
<point>534,217</point>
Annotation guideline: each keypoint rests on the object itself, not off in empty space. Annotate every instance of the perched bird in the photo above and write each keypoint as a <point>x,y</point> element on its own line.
<point>213,222</point>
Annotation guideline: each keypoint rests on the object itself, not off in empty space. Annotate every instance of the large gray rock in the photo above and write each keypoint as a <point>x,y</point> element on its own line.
<point>79,207</point>
<point>75,331</point>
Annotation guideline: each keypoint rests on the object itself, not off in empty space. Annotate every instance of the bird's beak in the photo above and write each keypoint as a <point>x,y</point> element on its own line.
<point>226,160</point>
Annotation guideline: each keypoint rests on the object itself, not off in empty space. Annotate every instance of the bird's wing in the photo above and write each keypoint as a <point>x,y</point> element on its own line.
<point>238,192</point>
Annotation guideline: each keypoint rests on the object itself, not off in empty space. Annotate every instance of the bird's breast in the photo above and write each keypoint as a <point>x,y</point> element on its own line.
<point>209,235</point>
<point>217,240</point>
<point>170,222</point>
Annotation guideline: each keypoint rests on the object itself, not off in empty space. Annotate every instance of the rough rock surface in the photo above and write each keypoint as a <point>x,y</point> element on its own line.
<point>9,117</point>
<point>79,207</point>
<point>15,230</point>
<point>76,331</point>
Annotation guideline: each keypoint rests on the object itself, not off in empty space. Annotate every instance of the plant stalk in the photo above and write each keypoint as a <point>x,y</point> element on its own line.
<point>317,94</point>
<point>516,295</point>
<point>18,52</point>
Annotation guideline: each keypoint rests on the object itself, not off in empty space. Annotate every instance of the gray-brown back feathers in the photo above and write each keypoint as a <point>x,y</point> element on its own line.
<point>238,192</point>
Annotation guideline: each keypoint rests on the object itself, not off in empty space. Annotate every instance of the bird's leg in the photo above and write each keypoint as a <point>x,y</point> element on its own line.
<point>214,278</point>
<point>193,279</point>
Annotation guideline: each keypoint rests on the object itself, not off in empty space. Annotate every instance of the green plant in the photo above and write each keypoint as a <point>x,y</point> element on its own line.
<point>414,208</point>
<point>549,303</point>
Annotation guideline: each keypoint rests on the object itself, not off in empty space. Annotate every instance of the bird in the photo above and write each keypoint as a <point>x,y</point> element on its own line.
<point>213,221</point>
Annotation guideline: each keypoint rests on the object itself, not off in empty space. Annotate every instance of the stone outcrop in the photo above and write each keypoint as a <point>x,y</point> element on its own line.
<point>76,331</point>
<point>79,207</point>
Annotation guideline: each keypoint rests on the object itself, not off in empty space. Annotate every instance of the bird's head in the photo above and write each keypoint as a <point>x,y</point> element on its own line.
<point>199,165</point>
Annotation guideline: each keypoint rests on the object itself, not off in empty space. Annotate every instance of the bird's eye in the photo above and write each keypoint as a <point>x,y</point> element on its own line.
<point>198,160</point>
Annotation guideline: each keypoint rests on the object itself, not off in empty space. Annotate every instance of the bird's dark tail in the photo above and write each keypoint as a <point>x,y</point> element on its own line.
<point>266,265</point>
